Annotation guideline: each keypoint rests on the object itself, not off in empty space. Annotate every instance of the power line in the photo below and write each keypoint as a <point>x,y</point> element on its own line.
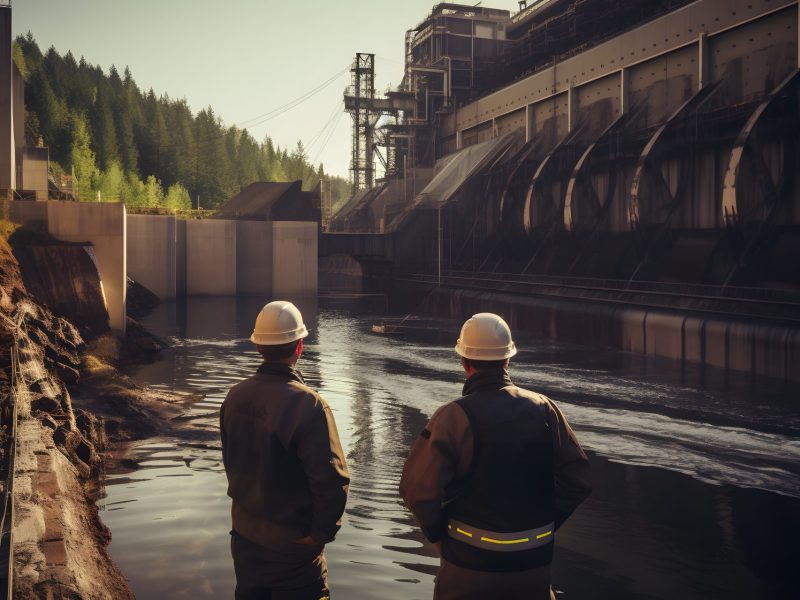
<point>328,138</point>
<point>293,103</point>
<point>337,109</point>
<point>264,117</point>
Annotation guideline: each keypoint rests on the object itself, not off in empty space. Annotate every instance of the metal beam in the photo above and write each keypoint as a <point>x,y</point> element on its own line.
<point>580,172</point>
<point>703,60</point>
<point>732,202</point>
<point>646,158</point>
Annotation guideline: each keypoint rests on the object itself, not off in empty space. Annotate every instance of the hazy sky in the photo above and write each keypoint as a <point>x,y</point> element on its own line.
<point>244,58</point>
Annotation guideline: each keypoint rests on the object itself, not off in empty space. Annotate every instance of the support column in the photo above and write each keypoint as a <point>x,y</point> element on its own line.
<point>624,85</point>
<point>571,107</point>
<point>703,61</point>
<point>528,128</point>
<point>458,139</point>
<point>8,167</point>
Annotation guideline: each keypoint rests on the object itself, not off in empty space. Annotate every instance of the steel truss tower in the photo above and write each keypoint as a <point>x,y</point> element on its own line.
<point>362,94</point>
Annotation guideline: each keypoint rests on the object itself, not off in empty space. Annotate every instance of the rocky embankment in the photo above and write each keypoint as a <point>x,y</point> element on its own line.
<point>72,402</point>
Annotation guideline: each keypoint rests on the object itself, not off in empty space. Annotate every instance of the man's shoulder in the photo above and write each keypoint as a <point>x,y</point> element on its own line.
<point>238,388</point>
<point>531,395</point>
<point>448,411</point>
<point>252,384</point>
<point>305,397</point>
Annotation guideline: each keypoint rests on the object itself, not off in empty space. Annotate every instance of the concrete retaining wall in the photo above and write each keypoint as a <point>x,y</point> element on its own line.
<point>151,246</point>
<point>210,258</point>
<point>254,258</point>
<point>760,349</point>
<point>176,258</point>
<point>249,258</point>
<point>103,225</point>
<point>180,258</point>
<point>294,258</point>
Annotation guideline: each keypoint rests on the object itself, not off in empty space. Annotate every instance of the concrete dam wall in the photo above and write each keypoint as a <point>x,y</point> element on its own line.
<point>100,225</point>
<point>176,258</point>
<point>217,257</point>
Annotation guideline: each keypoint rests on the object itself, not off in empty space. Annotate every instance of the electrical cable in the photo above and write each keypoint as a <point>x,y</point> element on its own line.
<point>293,103</point>
<point>264,117</point>
<point>328,139</point>
<point>337,109</point>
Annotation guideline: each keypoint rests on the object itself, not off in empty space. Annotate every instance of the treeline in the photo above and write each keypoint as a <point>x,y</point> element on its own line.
<point>149,151</point>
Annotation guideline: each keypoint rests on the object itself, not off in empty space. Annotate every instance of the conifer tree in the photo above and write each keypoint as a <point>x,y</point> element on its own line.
<point>142,142</point>
<point>82,158</point>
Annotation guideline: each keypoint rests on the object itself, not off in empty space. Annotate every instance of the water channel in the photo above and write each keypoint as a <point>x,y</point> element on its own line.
<point>697,473</point>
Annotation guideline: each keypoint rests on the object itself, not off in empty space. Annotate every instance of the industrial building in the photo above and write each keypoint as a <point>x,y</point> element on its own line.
<point>24,170</point>
<point>273,201</point>
<point>652,140</point>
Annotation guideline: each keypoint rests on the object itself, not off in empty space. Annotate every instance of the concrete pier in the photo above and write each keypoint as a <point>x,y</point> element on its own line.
<point>254,258</point>
<point>294,258</point>
<point>101,225</point>
<point>152,246</point>
<point>217,257</point>
<point>210,258</point>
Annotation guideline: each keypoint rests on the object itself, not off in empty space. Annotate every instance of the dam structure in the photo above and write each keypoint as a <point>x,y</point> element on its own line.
<point>263,242</point>
<point>616,172</point>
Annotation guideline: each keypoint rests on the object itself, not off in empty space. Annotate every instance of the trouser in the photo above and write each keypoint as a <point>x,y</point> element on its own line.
<point>296,573</point>
<point>456,583</point>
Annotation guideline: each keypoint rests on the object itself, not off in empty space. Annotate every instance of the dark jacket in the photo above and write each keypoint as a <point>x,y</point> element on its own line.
<point>441,461</point>
<point>286,469</point>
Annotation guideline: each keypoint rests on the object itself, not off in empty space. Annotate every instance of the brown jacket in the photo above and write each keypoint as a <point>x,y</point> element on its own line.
<point>286,469</point>
<point>443,453</point>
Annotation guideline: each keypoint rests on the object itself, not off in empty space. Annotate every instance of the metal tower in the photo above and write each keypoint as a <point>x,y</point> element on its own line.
<point>362,94</point>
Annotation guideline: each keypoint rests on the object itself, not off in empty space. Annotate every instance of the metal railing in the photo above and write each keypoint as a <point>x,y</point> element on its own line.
<point>738,303</point>
<point>692,289</point>
<point>191,213</point>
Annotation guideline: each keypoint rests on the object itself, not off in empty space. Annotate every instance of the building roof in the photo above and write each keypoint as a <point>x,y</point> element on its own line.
<point>272,201</point>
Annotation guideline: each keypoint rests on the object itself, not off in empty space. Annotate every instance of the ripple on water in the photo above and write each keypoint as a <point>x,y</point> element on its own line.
<point>169,512</point>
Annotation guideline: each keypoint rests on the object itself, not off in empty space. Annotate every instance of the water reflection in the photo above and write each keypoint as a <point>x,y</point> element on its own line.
<point>696,480</point>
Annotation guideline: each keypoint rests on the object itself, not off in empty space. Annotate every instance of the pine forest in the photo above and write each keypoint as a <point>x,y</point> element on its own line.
<point>124,144</point>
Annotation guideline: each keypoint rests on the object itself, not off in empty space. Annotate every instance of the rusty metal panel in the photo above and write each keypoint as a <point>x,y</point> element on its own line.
<point>755,57</point>
<point>661,86</point>
<point>650,41</point>
<point>510,122</point>
<point>550,120</point>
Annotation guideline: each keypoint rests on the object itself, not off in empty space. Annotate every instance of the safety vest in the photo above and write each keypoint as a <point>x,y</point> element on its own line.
<point>501,514</point>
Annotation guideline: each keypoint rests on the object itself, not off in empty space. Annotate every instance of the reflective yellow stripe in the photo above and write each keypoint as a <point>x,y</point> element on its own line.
<point>501,541</point>
<point>466,533</point>
<point>519,541</point>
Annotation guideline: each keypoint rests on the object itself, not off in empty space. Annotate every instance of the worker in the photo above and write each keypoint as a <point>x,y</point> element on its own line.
<point>493,475</point>
<point>286,470</point>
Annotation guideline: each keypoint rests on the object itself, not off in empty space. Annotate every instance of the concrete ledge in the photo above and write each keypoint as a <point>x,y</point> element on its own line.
<point>101,224</point>
<point>294,258</point>
<point>152,244</point>
<point>756,348</point>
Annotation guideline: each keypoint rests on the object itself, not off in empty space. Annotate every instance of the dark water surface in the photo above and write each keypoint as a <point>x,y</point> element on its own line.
<point>697,475</point>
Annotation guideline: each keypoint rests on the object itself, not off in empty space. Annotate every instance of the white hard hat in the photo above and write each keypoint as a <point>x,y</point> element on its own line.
<point>486,336</point>
<point>278,323</point>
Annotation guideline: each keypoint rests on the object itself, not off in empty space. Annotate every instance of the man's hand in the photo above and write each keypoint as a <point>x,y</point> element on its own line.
<point>307,541</point>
